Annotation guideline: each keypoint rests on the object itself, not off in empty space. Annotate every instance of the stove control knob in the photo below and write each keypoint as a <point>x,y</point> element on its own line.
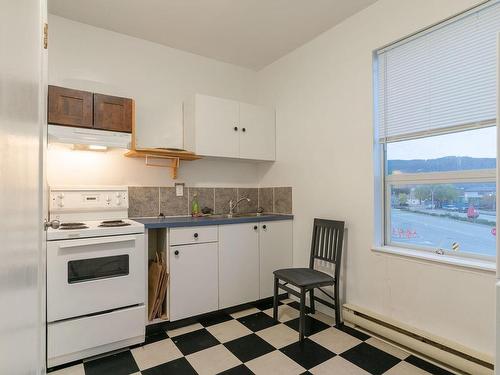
<point>60,198</point>
<point>54,224</point>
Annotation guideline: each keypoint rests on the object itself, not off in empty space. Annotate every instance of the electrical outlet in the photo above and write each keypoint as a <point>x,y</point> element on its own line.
<point>179,189</point>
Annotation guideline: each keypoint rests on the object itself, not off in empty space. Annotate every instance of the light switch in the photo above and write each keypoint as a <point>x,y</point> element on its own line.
<point>179,189</point>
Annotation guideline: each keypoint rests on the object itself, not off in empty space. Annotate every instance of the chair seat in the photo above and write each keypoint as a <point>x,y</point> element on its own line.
<point>304,277</point>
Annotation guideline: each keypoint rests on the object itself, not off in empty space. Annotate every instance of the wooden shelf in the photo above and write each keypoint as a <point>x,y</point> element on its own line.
<point>155,154</point>
<point>162,152</point>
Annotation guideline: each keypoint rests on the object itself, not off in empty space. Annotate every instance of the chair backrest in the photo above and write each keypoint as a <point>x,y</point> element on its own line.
<point>327,242</point>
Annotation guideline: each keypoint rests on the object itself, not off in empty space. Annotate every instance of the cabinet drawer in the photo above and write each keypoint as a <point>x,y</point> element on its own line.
<point>184,236</point>
<point>69,339</point>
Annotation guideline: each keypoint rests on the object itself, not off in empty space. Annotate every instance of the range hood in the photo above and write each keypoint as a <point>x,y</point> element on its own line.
<point>82,136</point>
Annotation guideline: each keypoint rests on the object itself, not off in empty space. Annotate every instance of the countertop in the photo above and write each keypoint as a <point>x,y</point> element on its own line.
<point>188,221</point>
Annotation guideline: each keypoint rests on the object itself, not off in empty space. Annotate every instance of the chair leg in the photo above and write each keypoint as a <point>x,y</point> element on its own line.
<point>338,318</point>
<point>302,321</point>
<point>311,297</point>
<point>275,301</point>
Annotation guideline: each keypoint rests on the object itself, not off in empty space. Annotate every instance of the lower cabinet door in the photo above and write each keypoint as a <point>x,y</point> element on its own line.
<point>275,252</point>
<point>193,280</point>
<point>238,264</point>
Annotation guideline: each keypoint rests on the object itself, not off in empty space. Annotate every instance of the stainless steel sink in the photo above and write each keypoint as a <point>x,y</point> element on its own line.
<point>252,214</point>
<point>226,216</point>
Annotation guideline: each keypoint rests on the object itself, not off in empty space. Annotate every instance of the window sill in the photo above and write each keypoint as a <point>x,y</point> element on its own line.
<point>477,264</point>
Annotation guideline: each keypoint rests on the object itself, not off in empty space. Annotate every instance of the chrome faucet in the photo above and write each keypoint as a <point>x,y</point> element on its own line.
<point>233,205</point>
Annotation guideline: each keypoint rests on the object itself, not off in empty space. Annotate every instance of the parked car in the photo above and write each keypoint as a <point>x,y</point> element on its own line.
<point>450,207</point>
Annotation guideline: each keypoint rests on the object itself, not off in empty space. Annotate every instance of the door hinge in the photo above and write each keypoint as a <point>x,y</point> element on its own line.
<point>45,35</point>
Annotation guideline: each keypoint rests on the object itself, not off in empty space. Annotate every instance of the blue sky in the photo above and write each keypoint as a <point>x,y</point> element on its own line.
<point>479,143</point>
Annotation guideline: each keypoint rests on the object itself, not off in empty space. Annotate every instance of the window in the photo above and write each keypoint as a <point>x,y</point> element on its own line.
<point>435,113</point>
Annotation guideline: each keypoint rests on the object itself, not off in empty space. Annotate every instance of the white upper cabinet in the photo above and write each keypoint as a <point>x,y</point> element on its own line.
<point>227,128</point>
<point>258,133</point>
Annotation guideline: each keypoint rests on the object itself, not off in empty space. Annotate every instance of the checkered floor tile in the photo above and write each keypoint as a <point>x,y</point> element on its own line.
<point>246,340</point>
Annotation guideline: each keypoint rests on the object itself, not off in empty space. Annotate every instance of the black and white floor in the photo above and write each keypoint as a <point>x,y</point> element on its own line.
<point>247,340</point>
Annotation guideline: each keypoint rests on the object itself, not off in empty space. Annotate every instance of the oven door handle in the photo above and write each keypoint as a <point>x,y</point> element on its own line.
<point>95,241</point>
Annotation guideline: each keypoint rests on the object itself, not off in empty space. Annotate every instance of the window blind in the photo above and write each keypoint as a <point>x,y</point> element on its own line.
<point>440,80</point>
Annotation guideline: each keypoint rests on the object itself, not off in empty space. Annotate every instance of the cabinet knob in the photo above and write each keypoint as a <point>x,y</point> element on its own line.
<point>176,252</point>
<point>195,235</point>
<point>235,128</point>
<point>264,227</point>
<point>255,227</point>
<point>244,130</point>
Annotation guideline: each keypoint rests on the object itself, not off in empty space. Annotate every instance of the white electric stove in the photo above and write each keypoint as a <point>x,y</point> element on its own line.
<point>96,274</point>
<point>93,228</point>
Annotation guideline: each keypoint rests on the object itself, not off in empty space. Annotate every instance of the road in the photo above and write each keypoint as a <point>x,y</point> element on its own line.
<point>425,230</point>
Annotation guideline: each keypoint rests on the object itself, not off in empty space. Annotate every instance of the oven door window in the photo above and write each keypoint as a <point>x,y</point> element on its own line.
<point>97,268</point>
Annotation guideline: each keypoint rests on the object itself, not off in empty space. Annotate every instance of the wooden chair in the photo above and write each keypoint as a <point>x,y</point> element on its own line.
<point>327,243</point>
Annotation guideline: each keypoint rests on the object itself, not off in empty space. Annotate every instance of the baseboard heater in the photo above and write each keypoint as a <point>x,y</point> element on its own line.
<point>437,349</point>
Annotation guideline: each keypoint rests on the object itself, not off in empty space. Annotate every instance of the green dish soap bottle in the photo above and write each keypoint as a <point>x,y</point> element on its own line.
<point>195,206</point>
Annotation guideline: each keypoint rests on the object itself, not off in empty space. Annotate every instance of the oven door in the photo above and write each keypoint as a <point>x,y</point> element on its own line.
<point>91,275</point>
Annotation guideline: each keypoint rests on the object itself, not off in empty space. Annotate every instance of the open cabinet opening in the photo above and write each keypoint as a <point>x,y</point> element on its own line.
<point>158,276</point>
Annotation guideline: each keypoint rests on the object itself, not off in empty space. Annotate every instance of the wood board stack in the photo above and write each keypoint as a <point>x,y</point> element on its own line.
<point>157,287</point>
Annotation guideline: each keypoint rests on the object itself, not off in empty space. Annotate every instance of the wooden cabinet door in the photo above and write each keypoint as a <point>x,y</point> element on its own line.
<point>193,280</point>
<point>275,252</point>
<point>257,132</point>
<point>238,264</point>
<point>112,113</point>
<point>217,126</point>
<point>70,107</point>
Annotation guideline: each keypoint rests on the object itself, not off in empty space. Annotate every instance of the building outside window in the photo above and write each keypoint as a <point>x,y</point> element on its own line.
<point>435,133</point>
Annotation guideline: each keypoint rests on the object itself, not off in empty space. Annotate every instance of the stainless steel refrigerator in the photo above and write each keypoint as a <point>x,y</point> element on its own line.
<point>22,183</point>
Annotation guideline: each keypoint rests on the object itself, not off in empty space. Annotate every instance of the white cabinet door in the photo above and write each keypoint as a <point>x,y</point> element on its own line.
<point>238,264</point>
<point>275,252</point>
<point>193,280</point>
<point>217,127</point>
<point>257,132</point>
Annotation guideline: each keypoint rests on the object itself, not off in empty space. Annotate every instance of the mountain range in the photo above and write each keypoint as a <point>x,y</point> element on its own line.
<point>448,163</point>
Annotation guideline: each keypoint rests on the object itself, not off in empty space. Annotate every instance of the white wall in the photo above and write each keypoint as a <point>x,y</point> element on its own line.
<point>159,79</point>
<point>323,97</point>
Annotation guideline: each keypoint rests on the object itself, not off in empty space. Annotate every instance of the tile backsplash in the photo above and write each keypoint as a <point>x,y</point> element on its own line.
<point>143,201</point>
<point>150,201</point>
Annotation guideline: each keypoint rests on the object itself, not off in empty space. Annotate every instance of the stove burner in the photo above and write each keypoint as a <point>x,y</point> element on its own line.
<point>113,223</point>
<point>68,226</point>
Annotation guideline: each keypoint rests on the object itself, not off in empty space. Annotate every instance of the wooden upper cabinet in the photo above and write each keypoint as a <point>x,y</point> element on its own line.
<point>112,113</point>
<point>70,107</point>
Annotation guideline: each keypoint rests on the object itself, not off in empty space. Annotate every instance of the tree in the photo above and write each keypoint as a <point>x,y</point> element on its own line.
<point>422,192</point>
<point>402,199</point>
<point>444,193</point>
<point>438,194</point>
<point>488,202</point>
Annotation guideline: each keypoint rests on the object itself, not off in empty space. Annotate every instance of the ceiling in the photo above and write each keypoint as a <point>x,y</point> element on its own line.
<point>249,33</point>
